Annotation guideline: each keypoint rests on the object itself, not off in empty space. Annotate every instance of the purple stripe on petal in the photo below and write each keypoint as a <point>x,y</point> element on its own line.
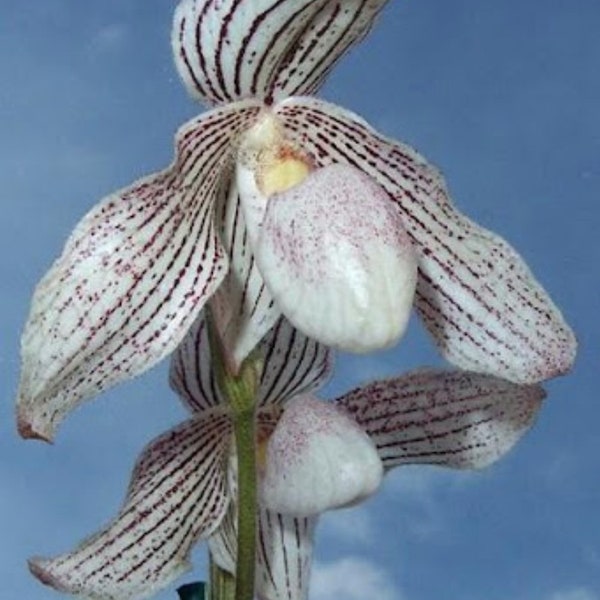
<point>449,418</point>
<point>333,31</point>
<point>233,49</point>
<point>284,547</point>
<point>243,307</point>
<point>176,496</point>
<point>292,364</point>
<point>190,374</point>
<point>132,278</point>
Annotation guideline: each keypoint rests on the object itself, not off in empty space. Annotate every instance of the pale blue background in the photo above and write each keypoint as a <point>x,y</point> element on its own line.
<point>505,98</point>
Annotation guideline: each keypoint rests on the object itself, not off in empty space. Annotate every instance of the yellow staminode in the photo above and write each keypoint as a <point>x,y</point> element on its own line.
<point>282,173</point>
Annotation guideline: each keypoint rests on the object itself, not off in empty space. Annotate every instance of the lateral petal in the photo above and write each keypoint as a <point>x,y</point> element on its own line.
<point>475,294</point>
<point>450,418</point>
<point>177,495</point>
<point>292,363</point>
<point>266,49</point>
<point>132,278</point>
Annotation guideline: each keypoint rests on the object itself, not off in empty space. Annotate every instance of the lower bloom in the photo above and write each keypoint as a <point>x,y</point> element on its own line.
<point>315,456</point>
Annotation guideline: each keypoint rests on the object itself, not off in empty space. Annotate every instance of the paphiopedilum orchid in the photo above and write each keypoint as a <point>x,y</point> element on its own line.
<point>278,202</point>
<point>315,456</point>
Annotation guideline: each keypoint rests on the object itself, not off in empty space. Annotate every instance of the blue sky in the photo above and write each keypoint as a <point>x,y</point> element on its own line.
<point>503,97</point>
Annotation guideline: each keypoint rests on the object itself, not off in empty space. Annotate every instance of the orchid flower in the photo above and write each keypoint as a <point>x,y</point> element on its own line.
<point>315,456</point>
<point>278,203</point>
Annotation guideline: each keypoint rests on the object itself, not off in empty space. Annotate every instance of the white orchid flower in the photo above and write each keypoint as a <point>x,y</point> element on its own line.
<point>314,456</point>
<point>278,203</point>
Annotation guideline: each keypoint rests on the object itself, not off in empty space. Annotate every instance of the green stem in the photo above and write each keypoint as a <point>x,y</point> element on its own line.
<point>222,583</point>
<point>240,390</point>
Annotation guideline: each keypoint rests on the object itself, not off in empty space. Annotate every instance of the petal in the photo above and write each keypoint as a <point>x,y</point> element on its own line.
<point>285,547</point>
<point>237,49</point>
<point>450,418</point>
<point>190,375</point>
<point>317,459</point>
<point>335,29</point>
<point>343,279</point>
<point>475,294</point>
<point>131,280</point>
<point>177,495</point>
<point>243,307</point>
<point>292,363</point>
<point>284,553</point>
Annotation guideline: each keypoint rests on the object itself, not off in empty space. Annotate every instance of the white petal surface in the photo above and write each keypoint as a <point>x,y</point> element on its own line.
<point>178,494</point>
<point>284,553</point>
<point>338,261</point>
<point>243,306</point>
<point>335,29</point>
<point>450,418</point>
<point>226,50</point>
<point>317,459</point>
<point>475,294</point>
<point>132,278</point>
<point>285,546</point>
<point>292,363</point>
<point>190,374</point>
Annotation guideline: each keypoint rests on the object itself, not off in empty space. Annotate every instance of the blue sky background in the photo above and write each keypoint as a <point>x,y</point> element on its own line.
<point>505,98</point>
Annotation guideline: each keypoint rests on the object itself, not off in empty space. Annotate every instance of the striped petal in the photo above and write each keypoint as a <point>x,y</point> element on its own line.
<point>292,364</point>
<point>178,494</point>
<point>484,308</point>
<point>243,307</point>
<point>335,29</point>
<point>450,418</point>
<point>317,459</point>
<point>132,278</point>
<point>285,547</point>
<point>284,553</point>
<point>284,543</point>
<point>233,49</point>
<point>191,376</point>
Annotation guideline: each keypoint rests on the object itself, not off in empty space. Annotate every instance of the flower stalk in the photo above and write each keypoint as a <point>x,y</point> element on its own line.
<point>240,391</point>
<point>222,583</point>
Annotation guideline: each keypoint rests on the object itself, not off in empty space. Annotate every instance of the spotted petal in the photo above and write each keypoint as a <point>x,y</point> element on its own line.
<point>475,294</point>
<point>343,279</point>
<point>177,495</point>
<point>292,364</point>
<point>317,459</point>
<point>450,418</point>
<point>234,49</point>
<point>131,280</point>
